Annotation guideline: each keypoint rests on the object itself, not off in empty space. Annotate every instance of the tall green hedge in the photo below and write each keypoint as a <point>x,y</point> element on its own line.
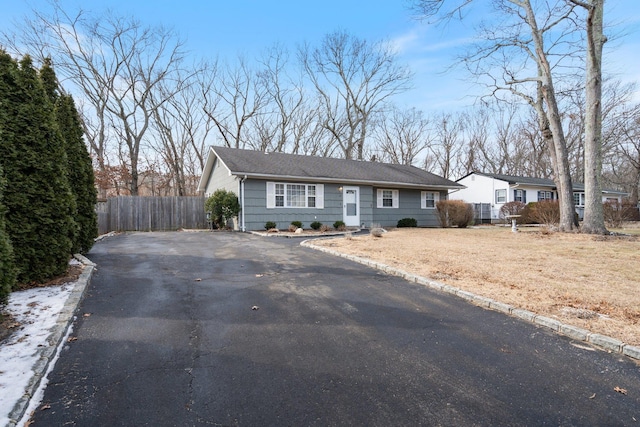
<point>7,263</point>
<point>79,167</point>
<point>39,202</point>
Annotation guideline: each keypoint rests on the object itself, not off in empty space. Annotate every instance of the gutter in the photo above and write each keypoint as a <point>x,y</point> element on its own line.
<point>244,228</point>
<point>350,181</point>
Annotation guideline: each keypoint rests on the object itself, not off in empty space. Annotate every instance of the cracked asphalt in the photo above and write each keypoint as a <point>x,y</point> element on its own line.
<point>231,329</point>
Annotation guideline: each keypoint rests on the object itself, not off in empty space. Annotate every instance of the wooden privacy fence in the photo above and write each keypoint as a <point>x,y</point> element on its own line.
<point>138,213</point>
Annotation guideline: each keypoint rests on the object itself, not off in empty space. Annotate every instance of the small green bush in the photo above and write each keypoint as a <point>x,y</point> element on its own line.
<point>316,225</point>
<point>269,225</point>
<point>339,225</point>
<point>407,222</point>
<point>298,224</point>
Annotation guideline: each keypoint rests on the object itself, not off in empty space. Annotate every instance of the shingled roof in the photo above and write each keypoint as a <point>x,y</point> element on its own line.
<point>282,166</point>
<point>538,182</point>
<point>522,180</point>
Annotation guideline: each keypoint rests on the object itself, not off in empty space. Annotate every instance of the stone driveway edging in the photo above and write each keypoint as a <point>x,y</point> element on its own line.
<point>54,341</point>
<point>603,342</point>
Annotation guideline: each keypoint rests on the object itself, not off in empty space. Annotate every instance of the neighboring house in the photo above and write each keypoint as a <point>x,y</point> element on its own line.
<point>489,192</point>
<point>282,188</point>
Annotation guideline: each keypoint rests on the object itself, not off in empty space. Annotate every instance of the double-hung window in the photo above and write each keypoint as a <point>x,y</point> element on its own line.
<point>290,195</point>
<point>429,199</point>
<point>578,199</point>
<point>545,195</point>
<point>519,196</point>
<point>388,198</point>
<point>501,196</point>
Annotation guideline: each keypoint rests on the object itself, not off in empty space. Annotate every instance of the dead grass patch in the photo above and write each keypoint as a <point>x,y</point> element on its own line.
<point>588,281</point>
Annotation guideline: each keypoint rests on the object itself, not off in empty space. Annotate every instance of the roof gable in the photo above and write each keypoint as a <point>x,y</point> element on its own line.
<point>260,164</point>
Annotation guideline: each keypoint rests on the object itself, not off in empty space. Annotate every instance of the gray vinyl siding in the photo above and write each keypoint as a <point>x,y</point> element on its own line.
<point>408,207</point>
<point>256,213</point>
<point>220,178</point>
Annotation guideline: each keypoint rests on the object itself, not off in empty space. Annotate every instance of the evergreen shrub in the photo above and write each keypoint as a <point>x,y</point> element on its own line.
<point>407,222</point>
<point>223,205</point>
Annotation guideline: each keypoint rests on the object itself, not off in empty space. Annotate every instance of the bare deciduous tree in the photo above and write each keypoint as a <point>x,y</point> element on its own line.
<point>116,64</point>
<point>593,211</point>
<point>516,55</point>
<point>353,79</point>
<point>447,148</point>
<point>237,96</point>
<point>402,135</point>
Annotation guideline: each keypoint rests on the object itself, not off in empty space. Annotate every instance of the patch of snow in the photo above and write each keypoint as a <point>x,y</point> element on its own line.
<point>37,311</point>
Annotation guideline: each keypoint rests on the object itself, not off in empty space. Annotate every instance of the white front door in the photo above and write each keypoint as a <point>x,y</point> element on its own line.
<point>351,206</point>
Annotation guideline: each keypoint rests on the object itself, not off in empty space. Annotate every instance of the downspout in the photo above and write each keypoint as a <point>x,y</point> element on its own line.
<point>242,202</point>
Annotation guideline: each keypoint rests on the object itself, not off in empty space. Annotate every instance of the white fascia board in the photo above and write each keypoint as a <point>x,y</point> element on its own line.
<point>346,181</point>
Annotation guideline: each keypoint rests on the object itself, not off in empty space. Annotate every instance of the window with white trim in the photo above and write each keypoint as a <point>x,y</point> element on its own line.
<point>578,199</point>
<point>290,195</point>
<point>429,199</point>
<point>388,198</point>
<point>519,196</point>
<point>501,196</point>
<point>279,195</point>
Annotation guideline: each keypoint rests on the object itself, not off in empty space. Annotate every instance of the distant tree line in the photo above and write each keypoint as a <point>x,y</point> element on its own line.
<point>47,192</point>
<point>149,111</point>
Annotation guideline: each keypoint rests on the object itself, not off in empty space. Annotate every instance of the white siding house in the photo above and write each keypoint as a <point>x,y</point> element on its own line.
<point>492,191</point>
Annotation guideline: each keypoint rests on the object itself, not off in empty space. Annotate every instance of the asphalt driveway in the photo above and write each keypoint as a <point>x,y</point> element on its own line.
<point>187,329</point>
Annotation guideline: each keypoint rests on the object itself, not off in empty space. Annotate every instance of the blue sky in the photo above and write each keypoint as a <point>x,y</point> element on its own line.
<point>228,28</point>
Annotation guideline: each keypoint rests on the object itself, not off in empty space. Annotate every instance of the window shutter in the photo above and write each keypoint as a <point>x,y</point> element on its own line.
<point>524,196</point>
<point>396,196</point>
<point>423,200</point>
<point>271,195</point>
<point>379,198</point>
<point>515,195</point>
<point>320,196</point>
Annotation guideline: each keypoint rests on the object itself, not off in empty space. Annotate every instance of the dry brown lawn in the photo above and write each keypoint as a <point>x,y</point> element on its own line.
<point>588,281</point>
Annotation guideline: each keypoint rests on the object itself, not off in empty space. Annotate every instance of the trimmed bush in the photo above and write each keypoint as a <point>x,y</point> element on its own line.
<point>407,222</point>
<point>316,225</point>
<point>454,213</point>
<point>298,224</point>
<point>546,212</point>
<point>270,225</point>
<point>339,225</point>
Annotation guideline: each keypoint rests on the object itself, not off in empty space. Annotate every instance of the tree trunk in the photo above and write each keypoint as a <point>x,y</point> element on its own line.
<point>593,211</point>
<point>560,155</point>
